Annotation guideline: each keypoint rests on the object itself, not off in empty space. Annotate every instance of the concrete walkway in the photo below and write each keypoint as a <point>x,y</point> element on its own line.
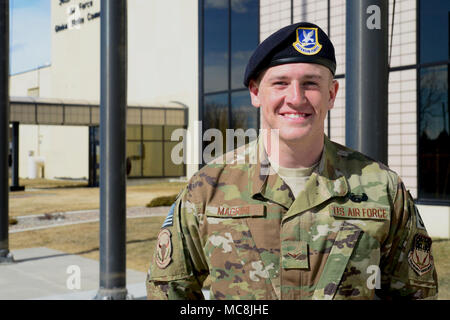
<point>47,274</point>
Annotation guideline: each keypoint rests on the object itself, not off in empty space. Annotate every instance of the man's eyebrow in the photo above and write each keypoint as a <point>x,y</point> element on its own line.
<point>306,77</point>
<point>313,76</point>
<point>272,78</point>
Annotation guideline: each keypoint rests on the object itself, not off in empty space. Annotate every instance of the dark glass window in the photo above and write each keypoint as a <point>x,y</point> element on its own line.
<point>230,32</point>
<point>434,30</point>
<point>244,38</point>
<point>245,117</point>
<point>215,116</point>
<point>215,113</point>
<point>433,109</point>
<point>243,114</point>
<point>215,45</point>
<point>434,129</point>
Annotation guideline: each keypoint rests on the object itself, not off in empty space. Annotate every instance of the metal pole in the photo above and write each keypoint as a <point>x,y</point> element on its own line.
<point>366,88</point>
<point>113,150</point>
<point>15,159</point>
<point>93,179</point>
<point>5,255</point>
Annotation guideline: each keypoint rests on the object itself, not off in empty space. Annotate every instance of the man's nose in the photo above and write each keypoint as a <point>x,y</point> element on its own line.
<point>294,95</point>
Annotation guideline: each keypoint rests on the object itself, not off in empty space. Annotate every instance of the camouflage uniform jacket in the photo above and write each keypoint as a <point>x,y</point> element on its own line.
<point>352,233</point>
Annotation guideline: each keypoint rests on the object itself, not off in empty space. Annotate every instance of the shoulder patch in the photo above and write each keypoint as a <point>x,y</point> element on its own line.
<point>419,258</point>
<point>163,249</point>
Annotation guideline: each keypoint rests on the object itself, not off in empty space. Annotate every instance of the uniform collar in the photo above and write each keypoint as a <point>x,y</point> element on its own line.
<point>325,182</point>
<point>266,183</point>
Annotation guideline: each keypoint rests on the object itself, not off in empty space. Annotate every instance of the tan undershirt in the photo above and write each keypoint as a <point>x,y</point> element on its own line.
<point>295,178</point>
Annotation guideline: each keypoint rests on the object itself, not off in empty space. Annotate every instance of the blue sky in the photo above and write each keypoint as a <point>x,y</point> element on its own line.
<point>30,30</point>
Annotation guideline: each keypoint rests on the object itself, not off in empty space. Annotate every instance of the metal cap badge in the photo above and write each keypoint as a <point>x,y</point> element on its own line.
<point>307,41</point>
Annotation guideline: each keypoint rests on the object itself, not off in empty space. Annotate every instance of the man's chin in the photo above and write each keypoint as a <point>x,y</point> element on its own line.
<point>293,136</point>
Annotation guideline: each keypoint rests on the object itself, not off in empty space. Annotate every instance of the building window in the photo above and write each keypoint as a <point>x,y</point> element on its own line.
<point>33,92</point>
<point>434,44</point>
<point>149,150</point>
<point>433,108</point>
<point>216,44</point>
<point>229,35</point>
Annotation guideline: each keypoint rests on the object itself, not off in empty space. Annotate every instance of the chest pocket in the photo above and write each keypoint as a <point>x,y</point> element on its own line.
<point>238,267</point>
<point>228,230</point>
<point>337,261</point>
<point>351,270</point>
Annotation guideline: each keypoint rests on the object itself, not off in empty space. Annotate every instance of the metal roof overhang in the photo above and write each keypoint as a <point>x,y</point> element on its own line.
<point>30,110</point>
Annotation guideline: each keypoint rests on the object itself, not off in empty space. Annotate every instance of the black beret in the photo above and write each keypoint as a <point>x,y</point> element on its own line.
<point>300,42</point>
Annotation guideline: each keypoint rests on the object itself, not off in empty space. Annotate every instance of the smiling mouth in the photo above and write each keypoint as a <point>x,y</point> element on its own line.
<point>295,116</point>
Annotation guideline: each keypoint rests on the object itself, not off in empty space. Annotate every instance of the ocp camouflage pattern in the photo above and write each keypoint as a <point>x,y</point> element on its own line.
<point>237,222</point>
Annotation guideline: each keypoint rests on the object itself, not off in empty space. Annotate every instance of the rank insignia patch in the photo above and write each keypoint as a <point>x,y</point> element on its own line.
<point>163,249</point>
<point>419,258</point>
<point>168,222</point>
<point>307,41</point>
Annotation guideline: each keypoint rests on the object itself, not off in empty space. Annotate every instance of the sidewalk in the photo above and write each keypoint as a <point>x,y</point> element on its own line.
<point>42,274</point>
<point>58,219</point>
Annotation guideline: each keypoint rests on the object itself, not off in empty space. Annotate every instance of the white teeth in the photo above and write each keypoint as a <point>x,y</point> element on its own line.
<point>294,116</point>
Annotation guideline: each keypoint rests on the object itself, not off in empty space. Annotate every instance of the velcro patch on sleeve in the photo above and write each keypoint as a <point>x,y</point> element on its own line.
<point>168,222</point>
<point>349,212</point>
<point>419,258</point>
<point>294,254</point>
<point>163,254</point>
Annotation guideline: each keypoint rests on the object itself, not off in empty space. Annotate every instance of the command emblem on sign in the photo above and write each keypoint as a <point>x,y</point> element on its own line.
<point>163,248</point>
<point>419,257</point>
<point>307,41</point>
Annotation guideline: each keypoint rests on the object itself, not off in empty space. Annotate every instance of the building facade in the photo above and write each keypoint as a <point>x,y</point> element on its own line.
<point>162,74</point>
<point>193,54</point>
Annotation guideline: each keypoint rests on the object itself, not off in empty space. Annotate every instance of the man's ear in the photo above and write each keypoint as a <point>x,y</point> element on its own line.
<point>253,88</point>
<point>334,87</point>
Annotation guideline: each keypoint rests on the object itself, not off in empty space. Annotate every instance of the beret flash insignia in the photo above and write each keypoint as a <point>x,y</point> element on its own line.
<point>307,41</point>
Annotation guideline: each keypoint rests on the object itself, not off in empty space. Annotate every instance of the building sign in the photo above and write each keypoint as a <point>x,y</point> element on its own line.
<point>78,13</point>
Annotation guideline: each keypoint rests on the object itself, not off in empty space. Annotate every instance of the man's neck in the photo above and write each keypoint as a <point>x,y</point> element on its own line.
<point>299,154</point>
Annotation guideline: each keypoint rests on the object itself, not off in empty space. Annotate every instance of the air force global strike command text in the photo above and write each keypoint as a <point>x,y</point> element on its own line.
<point>237,309</point>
